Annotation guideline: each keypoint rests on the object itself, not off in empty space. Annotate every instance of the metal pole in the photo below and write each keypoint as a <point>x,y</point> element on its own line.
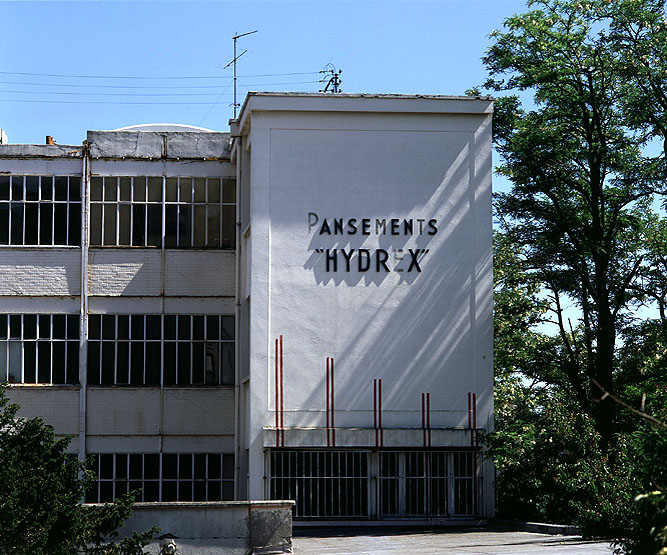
<point>234,60</point>
<point>233,63</point>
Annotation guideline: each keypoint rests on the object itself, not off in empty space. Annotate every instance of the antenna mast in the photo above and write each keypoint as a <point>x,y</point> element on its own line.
<point>233,63</point>
<point>333,80</point>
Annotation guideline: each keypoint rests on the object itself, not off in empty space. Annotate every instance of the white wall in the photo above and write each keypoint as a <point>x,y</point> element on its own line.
<point>418,331</point>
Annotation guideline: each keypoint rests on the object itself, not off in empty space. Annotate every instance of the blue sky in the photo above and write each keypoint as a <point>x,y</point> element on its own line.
<point>409,47</point>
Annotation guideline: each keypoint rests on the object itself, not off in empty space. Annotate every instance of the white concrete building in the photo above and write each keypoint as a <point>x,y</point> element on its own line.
<point>298,309</point>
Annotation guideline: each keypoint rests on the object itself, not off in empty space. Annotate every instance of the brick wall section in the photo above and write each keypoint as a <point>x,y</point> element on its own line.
<point>116,272</point>
<point>57,406</point>
<point>136,411</point>
<point>40,271</point>
<point>200,273</point>
<point>123,411</point>
<point>138,272</point>
<point>199,411</point>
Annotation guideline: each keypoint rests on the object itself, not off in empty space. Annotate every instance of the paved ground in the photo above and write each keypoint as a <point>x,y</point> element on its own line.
<point>451,542</point>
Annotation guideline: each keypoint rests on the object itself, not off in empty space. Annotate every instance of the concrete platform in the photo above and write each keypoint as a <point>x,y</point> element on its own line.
<point>447,541</point>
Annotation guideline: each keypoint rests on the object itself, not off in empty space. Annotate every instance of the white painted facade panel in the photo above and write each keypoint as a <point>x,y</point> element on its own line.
<point>39,271</point>
<point>123,411</point>
<point>198,412</point>
<point>371,254</point>
<point>151,272</point>
<point>199,273</point>
<point>130,272</point>
<point>57,406</point>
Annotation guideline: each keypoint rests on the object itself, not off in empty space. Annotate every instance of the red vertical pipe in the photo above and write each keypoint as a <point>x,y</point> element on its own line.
<point>472,442</point>
<point>375,409</point>
<point>428,417</point>
<point>333,424</point>
<point>327,403</point>
<point>380,412</point>
<point>277,406</point>
<point>423,420</point>
<point>282,395</point>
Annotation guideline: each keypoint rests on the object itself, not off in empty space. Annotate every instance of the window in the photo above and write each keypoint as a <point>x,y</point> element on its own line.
<point>376,485</point>
<point>39,348</point>
<point>143,211</point>
<point>152,349</point>
<point>325,484</point>
<point>40,210</point>
<point>163,476</point>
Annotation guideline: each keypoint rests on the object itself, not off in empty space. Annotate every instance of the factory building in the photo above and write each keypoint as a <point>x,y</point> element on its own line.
<point>298,309</point>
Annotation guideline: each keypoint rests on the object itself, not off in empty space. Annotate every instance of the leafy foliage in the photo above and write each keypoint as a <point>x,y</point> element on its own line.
<point>581,247</point>
<point>42,487</point>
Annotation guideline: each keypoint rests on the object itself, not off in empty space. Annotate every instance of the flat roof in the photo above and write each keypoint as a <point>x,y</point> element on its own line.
<point>363,102</point>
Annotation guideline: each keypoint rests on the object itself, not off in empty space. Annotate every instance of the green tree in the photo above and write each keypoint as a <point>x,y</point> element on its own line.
<point>550,462</point>
<point>41,493</point>
<point>581,188</point>
<point>582,247</point>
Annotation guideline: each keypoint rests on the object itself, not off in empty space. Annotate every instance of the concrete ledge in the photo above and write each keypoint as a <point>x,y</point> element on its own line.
<point>149,145</point>
<point>537,527</point>
<point>207,528</point>
<point>365,437</point>
<point>40,151</point>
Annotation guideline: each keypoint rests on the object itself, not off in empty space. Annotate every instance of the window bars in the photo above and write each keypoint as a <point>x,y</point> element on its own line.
<point>370,485</point>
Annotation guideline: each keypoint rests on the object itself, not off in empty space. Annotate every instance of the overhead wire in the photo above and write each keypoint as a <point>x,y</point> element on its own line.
<point>144,77</point>
<point>142,94</point>
<point>163,88</point>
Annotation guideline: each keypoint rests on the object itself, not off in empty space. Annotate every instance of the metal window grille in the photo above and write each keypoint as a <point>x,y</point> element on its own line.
<point>325,484</point>
<point>162,476</point>
<point>410,484</point>
<point>39,348</point>
<point>157,349</point>
<point>174,212</point>
<point>428,484</point>
<point>40,210</point>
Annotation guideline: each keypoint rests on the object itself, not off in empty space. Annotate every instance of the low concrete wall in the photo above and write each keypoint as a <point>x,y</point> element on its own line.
<point>214,528</point>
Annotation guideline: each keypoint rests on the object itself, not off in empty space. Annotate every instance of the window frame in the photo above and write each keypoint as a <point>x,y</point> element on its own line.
<point>123,477</point>
<point>107,200</point>
<point>65,211</point>
<point>21,344</point>
<point>189,335</point>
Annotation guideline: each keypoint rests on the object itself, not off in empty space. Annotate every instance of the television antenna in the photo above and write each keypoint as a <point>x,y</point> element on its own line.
<point>233,63</point>
<point>332,80</point>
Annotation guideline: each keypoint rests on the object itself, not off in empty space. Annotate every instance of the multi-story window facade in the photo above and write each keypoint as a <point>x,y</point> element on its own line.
<point>287,308</point>
<point>132,360</point>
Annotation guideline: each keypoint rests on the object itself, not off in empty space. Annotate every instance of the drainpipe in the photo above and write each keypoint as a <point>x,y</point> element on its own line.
<point>83,325</point>
<point>237,145</point>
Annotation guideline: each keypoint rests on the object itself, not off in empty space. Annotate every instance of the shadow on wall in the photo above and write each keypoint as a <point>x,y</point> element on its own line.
<point>434,325</point>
